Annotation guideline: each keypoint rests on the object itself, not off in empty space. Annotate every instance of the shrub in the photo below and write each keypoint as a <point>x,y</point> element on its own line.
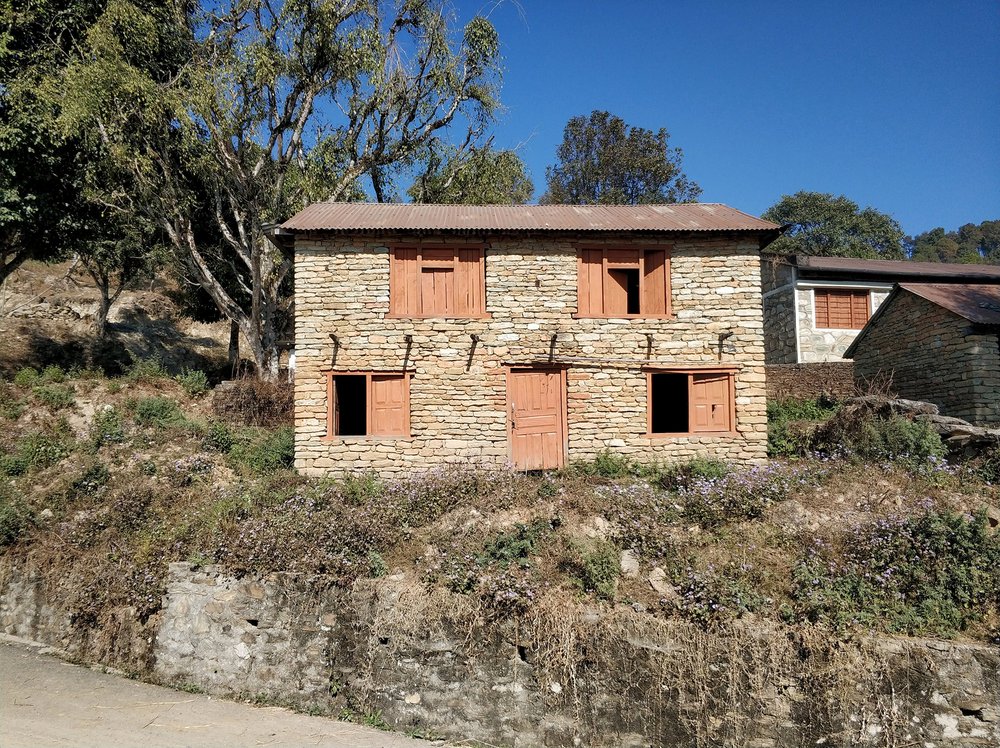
<point>53,375</point>
<point>94,478</point>
<point>219,437</point>
<point>254,402</point>
<point>55,396</point>
<point>710,595</point>
<point>34,452</point>
<point>934,573</point>
<point>158,411</point>
<point>265,452</point>
<point>698,469</point>
<point>860,433</point>
<point>106,428</point>
<point>607,464</point>
<point>10,405</point>
<point>146,370</point>
<point>26,377</point>
<point>791,424</point>
<point>194,382</point>
<point>15,518</point>
<point>377,567</point>
<point>595,566</point>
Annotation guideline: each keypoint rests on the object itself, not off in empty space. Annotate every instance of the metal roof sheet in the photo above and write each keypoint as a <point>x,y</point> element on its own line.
<point>977,302</point>
<point>893,269</point>
<point>409,217</point>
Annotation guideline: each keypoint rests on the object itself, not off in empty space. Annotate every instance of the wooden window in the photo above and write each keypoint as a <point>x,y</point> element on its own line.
<point>436,282</point>
<point>842,308</point>
<point>623,282</point>
<point>368,404</point>
<point>691,402</point>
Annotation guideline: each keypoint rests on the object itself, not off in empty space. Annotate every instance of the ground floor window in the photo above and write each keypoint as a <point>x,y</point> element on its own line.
<point>691,402</point>
<point>368,404</point>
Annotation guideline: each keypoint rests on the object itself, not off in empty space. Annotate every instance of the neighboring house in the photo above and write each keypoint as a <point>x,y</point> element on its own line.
<point>938,343</point>
<point>525,335</point>
<point>814,307</point>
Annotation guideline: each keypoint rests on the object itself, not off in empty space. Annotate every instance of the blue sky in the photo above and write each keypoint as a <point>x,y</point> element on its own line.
<point>894,104</point>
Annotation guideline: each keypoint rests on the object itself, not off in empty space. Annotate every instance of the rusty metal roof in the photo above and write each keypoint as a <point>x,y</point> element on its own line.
<point>892,270</point>
<point>977,302</point>
<point>408,217</point>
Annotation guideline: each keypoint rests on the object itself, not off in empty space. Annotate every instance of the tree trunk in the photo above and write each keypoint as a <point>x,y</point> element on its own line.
<point>234,347</point>
<point>103,308</point>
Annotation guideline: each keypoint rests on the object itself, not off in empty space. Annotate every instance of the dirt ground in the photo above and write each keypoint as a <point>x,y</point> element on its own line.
<point>45,701</point>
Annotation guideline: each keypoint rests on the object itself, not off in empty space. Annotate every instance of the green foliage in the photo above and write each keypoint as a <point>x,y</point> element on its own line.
<point>219,437</point>
<point>821,224</point>
<point>161,412</point>
<point>34,451</point>
<point>264,452</point>
<point>194,382</point>
<point>94,478</point>
<point>26,377</point>
<point>710,595</point>
<point>971,243</point>
<point>866,436</point>
<point>15,517</point>
<point>516,546</point>
<point>936,573</point>
<point>595,566</point>
<point>699,469</point>
<point>11,406</point>
<point>106,428</point>
<point>55,396</point>
<point>377,567</point>
<point>607,464</point>
<point>147,370</point>
<point>602,160</point>
<point>479,176</point>
<point>358,490</point>
<point>791,423</point>
<point>53,375</point>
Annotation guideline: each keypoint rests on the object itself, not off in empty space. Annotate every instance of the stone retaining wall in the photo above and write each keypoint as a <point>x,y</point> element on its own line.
<point>806,381</point>
<point>428,662</point>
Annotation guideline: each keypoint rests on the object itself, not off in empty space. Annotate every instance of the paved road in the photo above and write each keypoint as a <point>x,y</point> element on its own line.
<point>45,701</point>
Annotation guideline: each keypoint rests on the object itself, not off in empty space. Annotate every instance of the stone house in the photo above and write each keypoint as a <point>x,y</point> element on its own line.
<point>814,307</point>
<point>939,343</point>
<point>525,335</point>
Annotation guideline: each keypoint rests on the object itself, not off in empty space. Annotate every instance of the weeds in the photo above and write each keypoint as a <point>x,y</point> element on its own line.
<point>160,412</point>
<point>791,425</point>
<point>55,396</point>
<point>194,382</point>
<point>263,452</point>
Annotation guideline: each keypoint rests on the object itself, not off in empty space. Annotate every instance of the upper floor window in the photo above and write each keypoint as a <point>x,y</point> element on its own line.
<point>436,282</point>
<point>623,283</point>
<point>842,308</point>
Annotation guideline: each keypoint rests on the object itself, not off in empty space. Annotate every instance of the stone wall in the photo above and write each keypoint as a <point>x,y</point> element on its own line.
<point>458,390</point>
<point>818,345</point>
<point>777,283</point>
<point>802,381</point>
<point>927,353</point>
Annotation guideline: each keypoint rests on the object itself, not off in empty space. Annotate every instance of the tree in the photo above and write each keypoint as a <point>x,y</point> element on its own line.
<point>821,224</point>
<point>247,110</point>
<point>474,176</point>
<point>602,160</point>
<point>970,244</point>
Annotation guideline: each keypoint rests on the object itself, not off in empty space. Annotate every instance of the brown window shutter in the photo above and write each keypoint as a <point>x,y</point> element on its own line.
<point>860,309</point>
<point>469,284</point>
<point>822,307</point>
<point>404,289</point>
<point>655,283</point>
<point>389,405</point>
<point>710,403</point>
<point>590,298</point>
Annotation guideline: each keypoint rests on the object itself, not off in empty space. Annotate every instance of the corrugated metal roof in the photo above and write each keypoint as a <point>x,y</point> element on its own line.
<point>977,302</point>
<point>408,217</point>
<point>892,269</point>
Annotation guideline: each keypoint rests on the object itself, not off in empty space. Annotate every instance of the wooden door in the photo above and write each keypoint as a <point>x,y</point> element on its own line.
<point>537,417</point>
<point>710,402</point>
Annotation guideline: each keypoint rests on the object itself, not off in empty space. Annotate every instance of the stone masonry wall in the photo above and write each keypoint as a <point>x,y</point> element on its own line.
<point>803,381</point>
<point>458,391</point>
<point>818,345</point>
<point>933,355</point>
<point>779,310</point>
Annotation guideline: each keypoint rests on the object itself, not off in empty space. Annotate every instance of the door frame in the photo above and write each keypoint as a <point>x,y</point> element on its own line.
<point>513,369</point>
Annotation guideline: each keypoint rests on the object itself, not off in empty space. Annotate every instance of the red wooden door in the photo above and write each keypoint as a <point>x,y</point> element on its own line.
<point>710,402</point>
<point>535,407</point>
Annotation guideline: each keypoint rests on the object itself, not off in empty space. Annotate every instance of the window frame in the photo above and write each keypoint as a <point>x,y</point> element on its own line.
<point>642,249</point>
<point>330,375</point>
<point>397,276</point>
<point>853,292</point>
<point>729,371</point>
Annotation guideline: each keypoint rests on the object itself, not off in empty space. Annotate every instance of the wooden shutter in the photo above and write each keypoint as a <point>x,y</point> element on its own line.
<point>469,283</point>
<point>404,288</point>
<point>860,309</point>
<point>389,405</point>
<point>841,308</point>
<point>590,286</point>
<point>710,403</point>
<point>655,283</point>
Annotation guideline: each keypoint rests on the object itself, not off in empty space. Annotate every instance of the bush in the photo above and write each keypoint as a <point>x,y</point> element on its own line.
<point>607,464</point>
<point>859,432</point>
<point>94,478</point>
<point>10,405</point>
<point>106,428</point>
<point>15,518</point>
<point>146,370</point>
<point>26,377</point>
<point>791,424</point>
<point>158,411</point>
<point>53,375</point>
<point>698,469</point>
<point>264,452</point>
<point>194,382</point>
<point>711,595</point>
<point>55,396</point>
<point>935,573</point>
<point>219,438</point>
<point>254,402</point>
<point>34,452</point>
<point>595,566</point>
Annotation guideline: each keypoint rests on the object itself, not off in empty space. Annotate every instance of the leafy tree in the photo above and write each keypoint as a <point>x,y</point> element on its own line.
<point>476,176</point>
<point>602,160</point>
<point>821,224</point>
<point>971,243</point>
<point>237,113</point>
